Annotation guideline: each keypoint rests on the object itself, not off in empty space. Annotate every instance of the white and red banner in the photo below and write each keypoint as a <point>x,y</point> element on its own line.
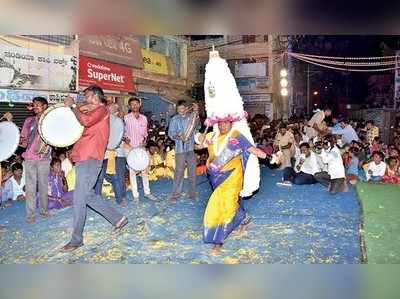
<point>109,76</point>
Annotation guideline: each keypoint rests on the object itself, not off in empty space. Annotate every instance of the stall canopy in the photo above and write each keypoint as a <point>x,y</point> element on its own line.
<point>156,107</point>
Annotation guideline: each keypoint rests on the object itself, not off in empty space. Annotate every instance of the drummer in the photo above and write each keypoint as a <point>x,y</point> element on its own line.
<point>135,136</point>
<point>37,162</point>
<point>88,155</point>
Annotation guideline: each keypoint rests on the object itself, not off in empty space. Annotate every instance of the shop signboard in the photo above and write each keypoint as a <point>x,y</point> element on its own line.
<point>258,69</point>
<point>154,62</point>
<point>112,48</point>
<point>26,96</point>
<point>109,76</point>
<point>36,69</point>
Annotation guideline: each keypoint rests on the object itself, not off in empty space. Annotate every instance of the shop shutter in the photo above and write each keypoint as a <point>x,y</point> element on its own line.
<point>19,111</point>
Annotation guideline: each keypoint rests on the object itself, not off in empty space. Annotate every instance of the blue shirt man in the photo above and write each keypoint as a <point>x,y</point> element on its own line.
<point>177,127</point>
<point>347,132</point>
<point>182,124</point>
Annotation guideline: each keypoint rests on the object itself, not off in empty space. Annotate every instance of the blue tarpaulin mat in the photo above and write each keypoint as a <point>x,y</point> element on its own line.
<point>298,224</point>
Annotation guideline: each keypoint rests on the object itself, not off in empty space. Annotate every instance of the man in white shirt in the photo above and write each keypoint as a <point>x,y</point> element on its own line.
<point>314,125</point>
<point>318,147</point>
<point>305,167</point>
<point>334,178</point>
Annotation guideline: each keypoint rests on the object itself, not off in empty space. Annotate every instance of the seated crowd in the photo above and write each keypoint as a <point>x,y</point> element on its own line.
<point>341,152</point>
<point>62,171</point>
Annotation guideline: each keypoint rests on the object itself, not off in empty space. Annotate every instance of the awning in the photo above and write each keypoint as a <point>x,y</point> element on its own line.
<point>156,106</point>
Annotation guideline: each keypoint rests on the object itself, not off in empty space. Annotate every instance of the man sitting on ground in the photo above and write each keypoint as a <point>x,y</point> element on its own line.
<point>347,132</point>
<point>335,178</point>
<point>305,167</point>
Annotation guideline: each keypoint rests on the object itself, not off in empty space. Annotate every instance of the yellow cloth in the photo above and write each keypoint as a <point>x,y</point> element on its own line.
<point>70,176</point>
<point>110,156</point>
<point>170,165</point>
<point>224,201</point>
<point>107,190</point>
<point>372,133</point>
<point>157,171</point>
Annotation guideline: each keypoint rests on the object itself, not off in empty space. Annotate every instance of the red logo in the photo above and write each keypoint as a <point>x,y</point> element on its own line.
<point>109,76</point>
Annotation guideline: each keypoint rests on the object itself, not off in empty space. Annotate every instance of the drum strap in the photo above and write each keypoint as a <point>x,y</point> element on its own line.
<point>42,149</point>
<point>111,162</point>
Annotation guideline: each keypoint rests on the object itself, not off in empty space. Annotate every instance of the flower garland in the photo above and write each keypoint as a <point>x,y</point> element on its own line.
<point>210,121</point>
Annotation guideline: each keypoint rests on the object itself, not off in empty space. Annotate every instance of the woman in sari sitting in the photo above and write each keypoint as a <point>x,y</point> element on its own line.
<point>59,196</point>
<point>228,154</point>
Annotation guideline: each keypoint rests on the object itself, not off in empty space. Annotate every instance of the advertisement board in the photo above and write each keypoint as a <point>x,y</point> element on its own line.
<point>154,62</point>
<point>31,68</point>
<point>112,48</point>
<point>258,69</point>
<point>109,76</point>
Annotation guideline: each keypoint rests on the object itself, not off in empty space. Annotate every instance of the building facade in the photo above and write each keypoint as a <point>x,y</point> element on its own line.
<point>250,60</point>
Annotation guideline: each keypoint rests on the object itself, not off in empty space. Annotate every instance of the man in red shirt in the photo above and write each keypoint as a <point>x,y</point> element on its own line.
<point>88,155</point>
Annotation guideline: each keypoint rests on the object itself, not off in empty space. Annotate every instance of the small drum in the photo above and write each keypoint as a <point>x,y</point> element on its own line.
<point>9,139</point>
<point>138,159</point>
<point>116,132</point>
<point>59,127</point>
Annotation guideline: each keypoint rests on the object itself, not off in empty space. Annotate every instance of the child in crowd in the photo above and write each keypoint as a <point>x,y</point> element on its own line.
<point>375,146</point>
<point>59,196</point>
<point>201,159</point>
<point>157,167</point>
<point>14,186</point>
<point>161,148</point>
<point>375,170</point>
<point>392,174</point>
<point>358,150</point>
<point>66,164</point>
<point>351,163</point>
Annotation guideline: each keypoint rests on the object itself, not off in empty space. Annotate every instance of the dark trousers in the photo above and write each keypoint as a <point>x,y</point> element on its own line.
<point>335,185</point>
<point>298,178</point>
<point>181,161</point>
<point>85,196</point>
<point>117,180</point>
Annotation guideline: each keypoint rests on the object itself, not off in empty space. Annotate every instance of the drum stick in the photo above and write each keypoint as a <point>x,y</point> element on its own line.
<point>205,132</point>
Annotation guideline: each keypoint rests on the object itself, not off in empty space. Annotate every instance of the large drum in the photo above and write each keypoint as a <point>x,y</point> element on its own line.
<point>59,127</point>
<point>138,159</point>
<point>9,139</point>
<point>116,132</point>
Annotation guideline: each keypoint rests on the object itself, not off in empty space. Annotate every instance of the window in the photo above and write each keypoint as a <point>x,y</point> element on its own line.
<point>247,39</point>
<point>59,39</point>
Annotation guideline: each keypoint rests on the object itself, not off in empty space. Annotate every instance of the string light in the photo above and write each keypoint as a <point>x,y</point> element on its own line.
<point>284,82</point>
<point>283,73</point>
<point>346,58</point>
<point>344,63</point>
<point>324,64</point>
